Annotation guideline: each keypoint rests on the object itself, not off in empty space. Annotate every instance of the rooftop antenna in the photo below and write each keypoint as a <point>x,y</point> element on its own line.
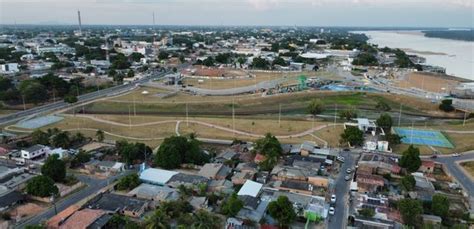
<point>80,23</point>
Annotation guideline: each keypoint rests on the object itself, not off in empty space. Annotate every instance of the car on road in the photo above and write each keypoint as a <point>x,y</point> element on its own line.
<point>347,178</point>
<point>332,210</point>
<point>340,158</point>
<point>434,156</point>
<point>349,171</point>
<point>346,150</point>
<point>456,154</point>
<point>333,198</point>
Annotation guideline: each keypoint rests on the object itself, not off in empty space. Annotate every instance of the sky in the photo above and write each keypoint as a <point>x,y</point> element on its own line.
<point>375,13</point>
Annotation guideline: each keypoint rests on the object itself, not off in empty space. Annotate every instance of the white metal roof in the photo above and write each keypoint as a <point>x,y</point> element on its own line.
<point>156,176</point>
<point>250,188</point>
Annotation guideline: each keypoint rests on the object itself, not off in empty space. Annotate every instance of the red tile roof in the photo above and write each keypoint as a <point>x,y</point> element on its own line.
<point>61,216</point>
<point>82,219</point>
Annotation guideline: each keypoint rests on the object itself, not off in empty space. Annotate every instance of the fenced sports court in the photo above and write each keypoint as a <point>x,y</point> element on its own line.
<point>38,122</point>
<point>423,137</point>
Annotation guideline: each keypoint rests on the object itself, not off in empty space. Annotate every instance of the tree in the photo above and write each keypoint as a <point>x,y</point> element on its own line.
<point>78,138</point>
<point>41,186</point>
<point>130,73</point>
<point>408,182</point>
<point>260,63</point>
<point>163,55</point>
<point>208,62</point>
<point>203,220</point>
<point>410,210</point>
<point>385,122</point>
<point>61,139</point>
<point>348,114</point>
<point>158,220</point>
<point>315,107</point>
<point>282,210</point>
<point>410,159</point>
<point>136,56</point>
<point>100,135</point>
<point>33,91</point>
<point>393,139</point>
<point>232,205</point>
<point>128,182</point>
<point>279,61</point>
<point>353,136</point>
<point>70,99</point>
<point>383,106</point>
<point>54,168</point>
<point>120,61</point>
<point>118,78</point>
<point>367,212</point>
<point>177,150</point>
<point>39,137</point>
<point>80,158</point>
<point>440,205</point>
<point>446,105</point>
<point>132,151</point>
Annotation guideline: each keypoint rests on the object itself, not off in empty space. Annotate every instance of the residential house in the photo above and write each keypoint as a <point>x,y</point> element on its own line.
<point>215,171</point>
<point>35,151</point>
<point>154,193</point>
<point>226,156</point>
<point>188,180</point>
<point>156,176</point>
<point>82,219</point>
<point>62,153</point>
<point>240,178</point>
<point>223,186</point>
<point>125,205</point>
<point>427,166</point>
<point>104,166</point>
<point>9,198</point>
<point>369,182</point>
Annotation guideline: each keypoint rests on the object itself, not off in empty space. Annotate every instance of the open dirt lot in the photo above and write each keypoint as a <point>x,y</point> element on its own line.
<point>469,167</point>
<point>427,82</point>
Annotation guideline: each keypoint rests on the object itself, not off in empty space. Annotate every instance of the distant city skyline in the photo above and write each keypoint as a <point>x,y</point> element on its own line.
<point>381,13</point>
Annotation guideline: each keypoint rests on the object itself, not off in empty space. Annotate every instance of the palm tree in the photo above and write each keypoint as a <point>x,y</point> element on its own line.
<point>205,220</point>
<point>158,220</point>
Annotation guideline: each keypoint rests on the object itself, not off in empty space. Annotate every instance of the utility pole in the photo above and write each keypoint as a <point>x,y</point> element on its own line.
<point>233,117</point>
<point>187,117</point>
<point>279,116</point>
<point>465,116</point>
<point>54,95</point>
<point>129,119</point>
<point>335,115</point>
<point>23,99</point>
<point>134,107</point>
<point>400,115</point>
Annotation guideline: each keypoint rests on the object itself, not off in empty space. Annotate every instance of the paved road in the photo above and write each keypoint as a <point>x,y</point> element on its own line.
<point>339,219</point>
<point>82,98</point>
<point>455,171</point>
<point>93,186</point>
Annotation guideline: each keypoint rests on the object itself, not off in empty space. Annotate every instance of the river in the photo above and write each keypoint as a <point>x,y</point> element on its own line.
<point>456,56</point>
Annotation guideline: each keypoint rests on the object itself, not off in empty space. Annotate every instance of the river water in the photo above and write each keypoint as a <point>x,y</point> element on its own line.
<point>456,56</point>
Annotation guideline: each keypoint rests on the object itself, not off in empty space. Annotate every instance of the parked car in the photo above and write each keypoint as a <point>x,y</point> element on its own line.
<point>333,198</point>
<point>347,178</point>
<point>341,159</point>
<point>349,171</point>
<point>332,210</point>
<point>456,155</point>
<point>434,156</point>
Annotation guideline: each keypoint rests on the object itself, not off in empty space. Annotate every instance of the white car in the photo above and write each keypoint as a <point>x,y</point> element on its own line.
<point>456,155</point>
<point>333,198</point>
<point>349,171</point>
<point>341,159</point>
<point>331,210</point>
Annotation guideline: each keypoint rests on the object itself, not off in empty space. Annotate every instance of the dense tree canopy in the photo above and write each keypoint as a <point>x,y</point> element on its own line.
<point>410,210</point>
<point>128,182</point>
<point>353,136</point>
<point>177,150</point>
<point>260,63</point>
<point>385,122</point>
<point>408,182</point>
<point>54,168</point>
<point>440,205</point>
<point>42,186</point>
<point>348,114</point>
<point>232,205</point>
<point>446,105</point>
<point>282,210</point>
<point>410,159</point>
<point>129,152</point>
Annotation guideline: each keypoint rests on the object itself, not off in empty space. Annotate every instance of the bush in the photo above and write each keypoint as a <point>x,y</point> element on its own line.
<point>128,182</point>
<point>446,105</point>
